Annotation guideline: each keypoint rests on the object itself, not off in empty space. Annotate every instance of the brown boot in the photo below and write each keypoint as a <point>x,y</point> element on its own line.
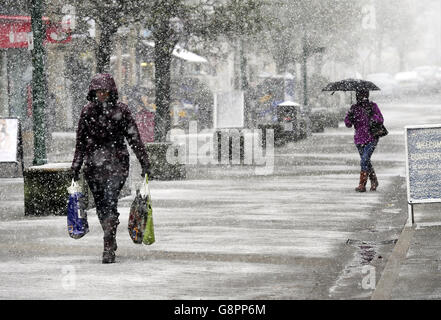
<point>109,227</point>
<point>374,180</point>
<point>363,180</point>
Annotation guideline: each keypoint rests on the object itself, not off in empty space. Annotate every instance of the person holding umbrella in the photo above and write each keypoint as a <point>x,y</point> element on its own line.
<point>360,115</point>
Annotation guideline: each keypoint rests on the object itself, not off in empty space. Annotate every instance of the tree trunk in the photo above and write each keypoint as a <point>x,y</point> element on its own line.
<point>163,56</point>
<point>104,48</point>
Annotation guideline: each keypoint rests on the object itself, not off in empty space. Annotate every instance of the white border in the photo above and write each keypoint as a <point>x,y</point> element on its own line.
<point>409,200</point>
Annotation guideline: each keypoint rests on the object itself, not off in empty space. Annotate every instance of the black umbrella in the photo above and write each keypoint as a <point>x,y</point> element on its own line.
<point>351,85</point>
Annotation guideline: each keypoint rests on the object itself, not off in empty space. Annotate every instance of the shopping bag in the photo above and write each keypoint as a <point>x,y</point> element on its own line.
<point>137,218</point>
<point>77,225</point>
<point>149,232</point>
<point>140,218</point>
<point>378,130</point>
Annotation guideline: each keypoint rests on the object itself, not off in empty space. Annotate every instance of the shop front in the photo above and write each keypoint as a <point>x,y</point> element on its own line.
<point>16,68</point>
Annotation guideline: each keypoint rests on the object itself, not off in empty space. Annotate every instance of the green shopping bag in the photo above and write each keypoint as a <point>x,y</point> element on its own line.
<point>149,232</point>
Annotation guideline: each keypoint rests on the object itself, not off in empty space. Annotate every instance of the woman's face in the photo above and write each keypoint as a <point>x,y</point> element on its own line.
<point>102,95</point>
<point>362,96</point>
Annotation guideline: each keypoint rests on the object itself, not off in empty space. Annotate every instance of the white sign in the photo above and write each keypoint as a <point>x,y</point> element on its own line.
<point>92,29</point>
<point>369,20</point>
<point>68,20</point>
<point>423,159</point>
<point>30,41</point>
<point>229,110</point>
<point>8,140</point>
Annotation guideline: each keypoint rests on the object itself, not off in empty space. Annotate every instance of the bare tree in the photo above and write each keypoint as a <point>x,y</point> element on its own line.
<point>170,21</point>
<point>294,26</point>
<point>109,15</point>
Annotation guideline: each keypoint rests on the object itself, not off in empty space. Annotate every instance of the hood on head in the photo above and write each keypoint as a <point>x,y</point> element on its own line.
<point>103,81</point>
<point>362,96</point>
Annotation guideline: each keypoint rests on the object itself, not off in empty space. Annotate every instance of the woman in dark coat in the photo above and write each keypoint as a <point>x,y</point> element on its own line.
<point>359,116</point>
<point>103,126</point>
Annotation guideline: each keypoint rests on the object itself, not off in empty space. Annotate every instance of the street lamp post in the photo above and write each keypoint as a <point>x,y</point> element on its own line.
<point>38,83</point>
<point>304,72</point>
<point>307,51</point>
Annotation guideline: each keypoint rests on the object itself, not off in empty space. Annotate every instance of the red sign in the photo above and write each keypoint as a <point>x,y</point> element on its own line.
<point>15,32</point>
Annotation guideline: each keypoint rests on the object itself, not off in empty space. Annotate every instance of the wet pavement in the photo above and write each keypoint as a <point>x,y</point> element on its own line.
<point>229,233</point>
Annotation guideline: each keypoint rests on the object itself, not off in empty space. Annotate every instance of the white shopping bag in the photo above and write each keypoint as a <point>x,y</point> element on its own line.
<point>74,187</point>
<point>144,190</point>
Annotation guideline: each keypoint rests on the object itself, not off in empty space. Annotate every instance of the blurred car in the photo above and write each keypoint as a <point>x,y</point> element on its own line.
<point>409,82</point>
<point>428,74</point>
<point>385,82</point>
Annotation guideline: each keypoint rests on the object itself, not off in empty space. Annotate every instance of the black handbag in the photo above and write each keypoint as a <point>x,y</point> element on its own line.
<point>377,129</point>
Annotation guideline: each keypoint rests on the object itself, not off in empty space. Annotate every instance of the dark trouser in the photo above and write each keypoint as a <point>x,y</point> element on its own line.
<point>366,151</point>
<point>105,193</point>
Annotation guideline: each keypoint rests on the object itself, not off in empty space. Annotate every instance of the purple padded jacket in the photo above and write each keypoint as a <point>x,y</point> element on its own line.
<point>359,116</point>
<point>102,130</point>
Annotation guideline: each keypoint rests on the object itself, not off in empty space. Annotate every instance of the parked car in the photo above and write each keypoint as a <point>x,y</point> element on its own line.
<point>428,74</point>
<point>409,82</point>
<point>385,82</point>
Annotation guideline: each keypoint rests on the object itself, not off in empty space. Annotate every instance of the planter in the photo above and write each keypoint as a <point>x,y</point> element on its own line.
<point>45,189</point>
<point>160,168</point>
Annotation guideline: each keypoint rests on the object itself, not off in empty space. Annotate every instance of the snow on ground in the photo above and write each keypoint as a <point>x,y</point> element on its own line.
<point>215,239</point>
<point>235,236</point>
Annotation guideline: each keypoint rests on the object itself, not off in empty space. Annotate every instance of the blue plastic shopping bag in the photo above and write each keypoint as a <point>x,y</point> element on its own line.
<point>77,225</point>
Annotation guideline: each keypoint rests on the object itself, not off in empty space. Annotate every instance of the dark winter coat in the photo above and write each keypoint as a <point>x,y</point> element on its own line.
<point>359,116</point>
<point>102,130</point>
